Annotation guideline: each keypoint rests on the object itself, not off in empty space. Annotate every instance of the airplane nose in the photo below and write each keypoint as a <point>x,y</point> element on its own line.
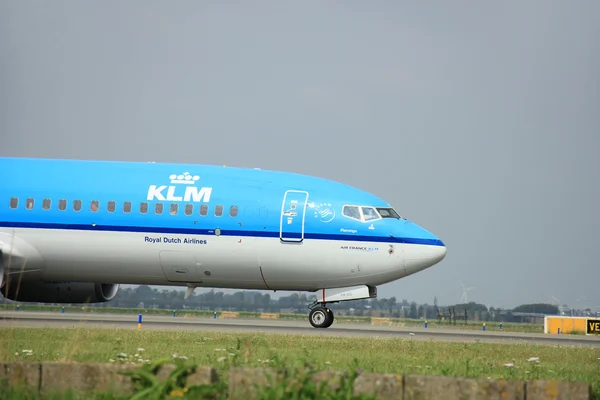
<point>425,250</point>
<point>420,257</point>
<point>436,253</point>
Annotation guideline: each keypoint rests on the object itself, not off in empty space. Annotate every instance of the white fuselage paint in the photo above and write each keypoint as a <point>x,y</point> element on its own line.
<point>210,260</point>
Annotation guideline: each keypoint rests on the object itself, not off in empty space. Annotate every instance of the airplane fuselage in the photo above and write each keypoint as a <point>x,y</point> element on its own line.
<point>199,226</point>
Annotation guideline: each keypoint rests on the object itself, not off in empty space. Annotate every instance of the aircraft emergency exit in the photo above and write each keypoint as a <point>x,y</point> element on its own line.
<point>72,231</point>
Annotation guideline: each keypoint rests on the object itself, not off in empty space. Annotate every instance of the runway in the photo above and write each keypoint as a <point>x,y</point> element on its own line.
<point>29,319</point>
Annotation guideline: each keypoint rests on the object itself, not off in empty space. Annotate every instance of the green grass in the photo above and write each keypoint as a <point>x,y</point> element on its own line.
<point>224,350</point>
<point>407,322</point>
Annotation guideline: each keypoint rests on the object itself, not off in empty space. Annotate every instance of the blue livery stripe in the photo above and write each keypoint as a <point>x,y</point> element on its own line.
<point>224,232</point>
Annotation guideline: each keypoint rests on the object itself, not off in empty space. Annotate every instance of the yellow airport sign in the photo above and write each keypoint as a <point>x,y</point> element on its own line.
<point>556,324</point>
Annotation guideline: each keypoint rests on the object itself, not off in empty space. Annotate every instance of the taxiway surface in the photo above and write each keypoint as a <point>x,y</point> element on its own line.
<point>29,319</point>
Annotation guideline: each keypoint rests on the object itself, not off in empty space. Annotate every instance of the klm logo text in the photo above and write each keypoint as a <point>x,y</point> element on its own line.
<point>177,193</point>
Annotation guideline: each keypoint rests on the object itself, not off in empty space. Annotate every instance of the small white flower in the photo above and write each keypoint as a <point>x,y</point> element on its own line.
<point>111,360</point>
<point>536,359</point>
<point>140,349</point>
<point>221,359</point>
<point>509,365</point>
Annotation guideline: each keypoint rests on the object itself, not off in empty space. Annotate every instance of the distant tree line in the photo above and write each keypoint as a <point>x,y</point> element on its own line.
<point>537,308</point>
<point>256,301</point>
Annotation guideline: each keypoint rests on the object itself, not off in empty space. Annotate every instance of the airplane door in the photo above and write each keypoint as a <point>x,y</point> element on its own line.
<point>179,266</point>
<point>293,210</point>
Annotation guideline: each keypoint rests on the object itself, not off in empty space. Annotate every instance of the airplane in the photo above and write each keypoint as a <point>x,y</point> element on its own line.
<point>73,231</point>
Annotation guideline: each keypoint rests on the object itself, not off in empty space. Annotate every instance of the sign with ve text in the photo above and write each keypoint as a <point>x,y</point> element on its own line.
<point>593,326</point>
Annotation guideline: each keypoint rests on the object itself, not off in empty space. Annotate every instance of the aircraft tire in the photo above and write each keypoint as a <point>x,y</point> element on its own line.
<point>320,317</point>
<point>330,316</point>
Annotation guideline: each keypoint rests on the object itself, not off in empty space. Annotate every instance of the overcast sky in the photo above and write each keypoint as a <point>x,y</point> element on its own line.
<point>478,120</point>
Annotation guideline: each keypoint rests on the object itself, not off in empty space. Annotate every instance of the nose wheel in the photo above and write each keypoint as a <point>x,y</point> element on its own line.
<point>321,317</point>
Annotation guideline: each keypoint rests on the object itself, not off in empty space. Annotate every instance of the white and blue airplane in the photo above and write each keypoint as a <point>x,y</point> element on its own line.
<point>72,231</point>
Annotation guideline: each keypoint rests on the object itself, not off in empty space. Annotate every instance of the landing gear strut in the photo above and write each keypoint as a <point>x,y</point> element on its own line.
<point>320,316</point>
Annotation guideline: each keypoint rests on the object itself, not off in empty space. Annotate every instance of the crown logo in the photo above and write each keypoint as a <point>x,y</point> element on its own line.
<point>185,178</point>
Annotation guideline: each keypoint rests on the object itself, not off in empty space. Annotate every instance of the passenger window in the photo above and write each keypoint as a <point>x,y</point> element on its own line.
<point>95,205</point>
<point>233,211</point>
<point>29,203</point>
<point>352,212</point>
<point>174,208</point>
<point>111,206</point>
<point>62,204</point>
<point>203,209</point>
<point>77,205</point>
<point>143,208</point>
<point>46,204</point>
<point>158,208</point>
<point>369,213</point>
<point>189,209</point>
<point>14,202</point>
<point>218,210</point>
<point>127,207</point>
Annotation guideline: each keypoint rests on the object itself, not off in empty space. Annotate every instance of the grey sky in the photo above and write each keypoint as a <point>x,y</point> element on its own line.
<point>478,120</point>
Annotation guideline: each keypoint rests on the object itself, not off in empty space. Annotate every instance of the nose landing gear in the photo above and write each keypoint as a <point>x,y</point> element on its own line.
<point>321,316</point>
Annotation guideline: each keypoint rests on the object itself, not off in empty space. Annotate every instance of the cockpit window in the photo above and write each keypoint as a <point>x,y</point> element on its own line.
<point>388,213</point>
<point>369,213</point>
<point>352,212</point>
